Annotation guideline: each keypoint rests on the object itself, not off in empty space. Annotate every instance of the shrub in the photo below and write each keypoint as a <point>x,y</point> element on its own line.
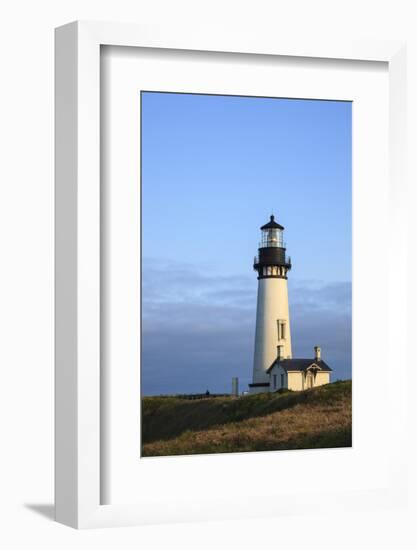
<point>283,390</point>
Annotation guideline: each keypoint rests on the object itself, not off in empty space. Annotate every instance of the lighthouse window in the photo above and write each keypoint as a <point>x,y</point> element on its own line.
<point>282,380</point>
<point>281,330</point>
<point>275,381</point>
<point>272,237</point>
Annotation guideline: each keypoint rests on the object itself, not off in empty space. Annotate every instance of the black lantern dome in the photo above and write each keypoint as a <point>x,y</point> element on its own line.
<point>272,224</point>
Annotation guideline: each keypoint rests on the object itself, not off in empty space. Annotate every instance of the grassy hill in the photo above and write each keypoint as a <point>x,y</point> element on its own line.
<point>316,418</point>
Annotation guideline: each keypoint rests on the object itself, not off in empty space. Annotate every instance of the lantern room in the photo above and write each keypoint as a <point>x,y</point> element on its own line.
<point>272,235</point>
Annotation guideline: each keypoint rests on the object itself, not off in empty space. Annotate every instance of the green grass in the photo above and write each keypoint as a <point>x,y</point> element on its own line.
<point>316,418</point>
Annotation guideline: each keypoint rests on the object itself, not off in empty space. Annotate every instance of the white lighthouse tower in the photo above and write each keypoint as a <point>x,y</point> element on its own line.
<point>273,335</point>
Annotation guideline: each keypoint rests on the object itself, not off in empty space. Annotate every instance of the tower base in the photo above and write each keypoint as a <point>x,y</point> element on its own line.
<point>258,387</point>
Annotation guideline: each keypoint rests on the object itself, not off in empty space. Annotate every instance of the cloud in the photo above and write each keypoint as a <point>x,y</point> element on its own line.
<point>198,326</point>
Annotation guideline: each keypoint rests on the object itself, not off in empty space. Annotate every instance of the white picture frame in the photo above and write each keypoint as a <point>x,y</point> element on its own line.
<point>78,258</point>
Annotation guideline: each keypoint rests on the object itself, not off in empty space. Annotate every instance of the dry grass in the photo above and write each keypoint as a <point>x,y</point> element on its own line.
<point>316,418</point>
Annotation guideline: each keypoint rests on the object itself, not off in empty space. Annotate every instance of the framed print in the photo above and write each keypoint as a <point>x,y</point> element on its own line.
<point>192,378</point>
<point>265,150</point>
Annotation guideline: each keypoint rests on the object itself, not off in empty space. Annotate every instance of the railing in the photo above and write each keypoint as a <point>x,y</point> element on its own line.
<point>201,395</point>
<point>287,260</point>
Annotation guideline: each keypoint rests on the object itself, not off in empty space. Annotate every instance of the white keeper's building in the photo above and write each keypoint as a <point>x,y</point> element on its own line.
<point>273,365</point>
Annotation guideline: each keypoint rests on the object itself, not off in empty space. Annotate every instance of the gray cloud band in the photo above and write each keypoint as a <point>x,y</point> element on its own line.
<point>198,326</point>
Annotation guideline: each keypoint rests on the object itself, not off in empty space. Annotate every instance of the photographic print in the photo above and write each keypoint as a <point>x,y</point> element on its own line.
<point>246,263</point>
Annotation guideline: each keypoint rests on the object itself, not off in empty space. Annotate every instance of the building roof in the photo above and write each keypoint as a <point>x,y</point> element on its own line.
<point>272,224</point>
<point>300,364</point>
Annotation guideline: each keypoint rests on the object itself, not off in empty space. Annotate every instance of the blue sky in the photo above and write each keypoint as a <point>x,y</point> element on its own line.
<point>213,169</point>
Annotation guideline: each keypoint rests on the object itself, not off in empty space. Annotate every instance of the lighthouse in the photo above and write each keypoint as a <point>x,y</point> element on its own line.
<point>272,334</point>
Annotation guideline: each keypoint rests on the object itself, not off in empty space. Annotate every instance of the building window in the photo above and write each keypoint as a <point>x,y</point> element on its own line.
<point>282,380</point>
<point>275,381</point>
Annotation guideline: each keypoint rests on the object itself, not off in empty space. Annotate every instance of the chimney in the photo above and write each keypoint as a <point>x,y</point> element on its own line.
<point>317,353</point>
